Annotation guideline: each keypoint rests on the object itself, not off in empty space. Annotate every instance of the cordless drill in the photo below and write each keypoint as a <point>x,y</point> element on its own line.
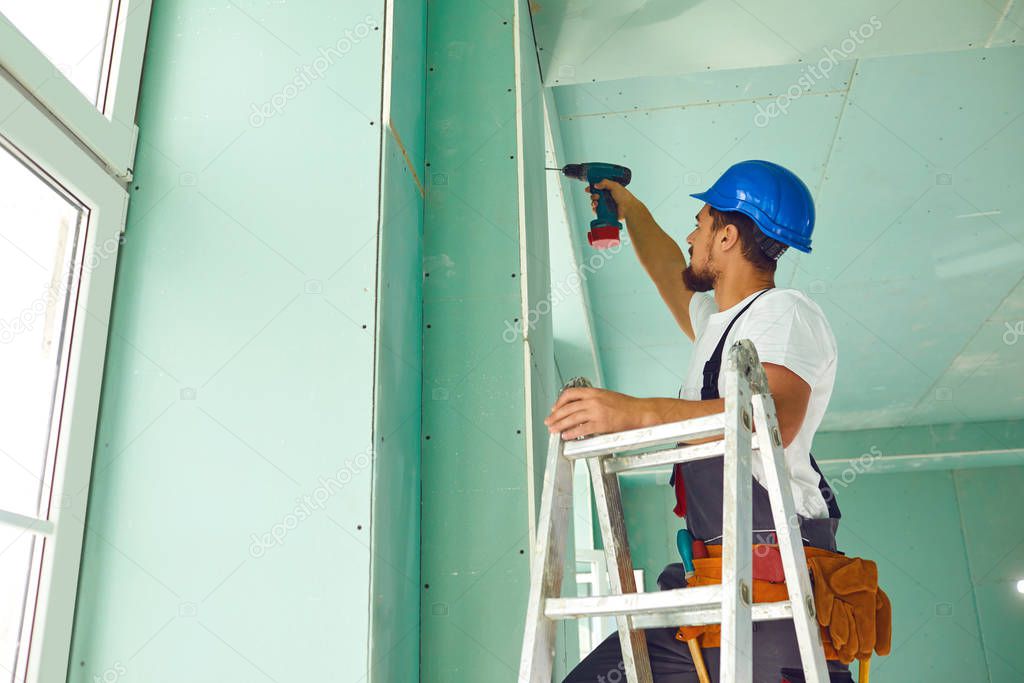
<point>605,229</point>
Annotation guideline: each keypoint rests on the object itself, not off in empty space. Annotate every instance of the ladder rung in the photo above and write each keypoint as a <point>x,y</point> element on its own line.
<point>760,611</point>
<point>646,437</point>
<point>698,597</point>
<point>701,451</point>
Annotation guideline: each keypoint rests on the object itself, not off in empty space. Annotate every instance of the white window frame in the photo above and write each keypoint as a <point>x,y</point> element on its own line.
<point>89,154</point>
<point>39,139</point>
<point>112,134</point>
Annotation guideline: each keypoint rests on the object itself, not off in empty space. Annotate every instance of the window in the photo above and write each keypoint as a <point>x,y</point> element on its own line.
<point>39,240</point>
<point>38,243</point>
<point>74,36</point>
<point>67,141</point>
<point>81,60</point>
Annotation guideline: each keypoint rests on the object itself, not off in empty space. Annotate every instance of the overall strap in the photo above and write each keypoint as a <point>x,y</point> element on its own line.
<point>707,392</point>
<point>713,366</point>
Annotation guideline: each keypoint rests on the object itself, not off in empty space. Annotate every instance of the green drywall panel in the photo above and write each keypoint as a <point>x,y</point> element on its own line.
<point>992,508</point>
<point>910,525</point>
<point>476,486</point>
<point>229,516</point>
<point>628,39</point>
<point>879,451</point>
<point>538,326</point>
<point>651,526</point>
<point>395,615</point>
<point>913,163</point>
<point>949,552</point>
<point>474,528</point>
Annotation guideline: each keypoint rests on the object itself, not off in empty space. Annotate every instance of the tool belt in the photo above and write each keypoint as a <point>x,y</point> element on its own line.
<point>854,614</point>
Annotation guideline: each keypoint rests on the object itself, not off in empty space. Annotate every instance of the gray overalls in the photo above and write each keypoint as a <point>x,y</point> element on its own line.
<point>775,646</point>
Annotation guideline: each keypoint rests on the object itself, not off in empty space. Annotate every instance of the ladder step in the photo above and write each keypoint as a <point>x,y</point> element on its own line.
<point>646,437</point>
<point>702,451</point>
<point>759,611</point>
<point>698,597</point>
<point>680,607</point>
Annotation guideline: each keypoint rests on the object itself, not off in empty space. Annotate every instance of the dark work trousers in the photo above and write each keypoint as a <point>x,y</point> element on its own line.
<point>775,648</point>
<point>774,642</point>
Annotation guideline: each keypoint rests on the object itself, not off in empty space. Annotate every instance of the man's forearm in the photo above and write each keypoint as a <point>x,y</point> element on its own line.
<point>657,252</point>
<point>658,411</point>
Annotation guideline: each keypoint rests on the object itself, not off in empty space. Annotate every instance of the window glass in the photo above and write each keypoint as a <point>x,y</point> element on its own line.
<point>39,235</point>
<point>74,36</point>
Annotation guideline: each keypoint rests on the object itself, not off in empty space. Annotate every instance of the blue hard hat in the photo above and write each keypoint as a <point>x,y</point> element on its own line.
<point>772,195</point>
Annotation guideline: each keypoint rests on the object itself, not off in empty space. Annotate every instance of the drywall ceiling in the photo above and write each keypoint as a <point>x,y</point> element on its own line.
<point>915,165</point>
<point>585,41</point>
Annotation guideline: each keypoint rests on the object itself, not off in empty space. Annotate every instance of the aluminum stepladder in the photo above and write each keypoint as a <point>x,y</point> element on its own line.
<point>747,402</point>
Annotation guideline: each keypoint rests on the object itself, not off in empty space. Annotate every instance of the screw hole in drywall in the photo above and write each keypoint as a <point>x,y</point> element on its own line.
<point>426,586</point>
<point>519,431</point>
<point>513,274</point>
<point>428,326</point>
<point>521,551</point>
<point>428,437</point>
<point>364,327</point>
<point>359,527</point>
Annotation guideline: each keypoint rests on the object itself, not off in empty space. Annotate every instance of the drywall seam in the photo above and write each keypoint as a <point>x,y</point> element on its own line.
<point>831,148</point>
<point>555,133</point>
<point>999,23</point>
<point>385,115</point>
<point>695,105</point>
<point>405,155</point>
<point>891,464</point>
<point>970,574</point>
<point>517,50</point>
<point>934,385</point>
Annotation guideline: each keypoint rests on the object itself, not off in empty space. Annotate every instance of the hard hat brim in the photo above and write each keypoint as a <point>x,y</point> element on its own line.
<point>764,222</point>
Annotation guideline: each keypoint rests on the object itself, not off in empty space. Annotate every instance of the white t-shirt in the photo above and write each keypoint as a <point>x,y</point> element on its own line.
<point>789,329</point>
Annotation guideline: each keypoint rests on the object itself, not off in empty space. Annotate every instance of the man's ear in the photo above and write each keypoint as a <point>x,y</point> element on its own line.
<point>728,236</point>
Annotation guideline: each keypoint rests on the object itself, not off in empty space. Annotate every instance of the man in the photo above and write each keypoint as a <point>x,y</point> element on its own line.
<point>750,217</point>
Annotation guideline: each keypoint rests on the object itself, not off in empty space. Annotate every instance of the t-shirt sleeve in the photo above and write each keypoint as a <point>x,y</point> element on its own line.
<point>702,305</point>
<point>791,332</point>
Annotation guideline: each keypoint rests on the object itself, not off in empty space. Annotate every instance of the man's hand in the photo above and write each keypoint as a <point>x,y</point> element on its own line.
<point>587,411</point>
<point>624,199</point>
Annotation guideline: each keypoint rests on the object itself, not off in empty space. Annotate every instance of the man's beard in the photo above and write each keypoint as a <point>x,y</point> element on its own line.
<point>698,282</point>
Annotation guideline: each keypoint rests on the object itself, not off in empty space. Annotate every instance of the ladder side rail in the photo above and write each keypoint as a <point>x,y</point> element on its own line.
<point>538,651</point>
<point>737,526</point>
<point>791,548</point>
<point>608,500</point>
